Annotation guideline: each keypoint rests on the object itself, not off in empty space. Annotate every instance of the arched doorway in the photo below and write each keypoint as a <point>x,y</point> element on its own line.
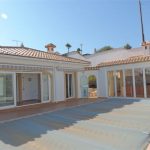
<point>92,86</point>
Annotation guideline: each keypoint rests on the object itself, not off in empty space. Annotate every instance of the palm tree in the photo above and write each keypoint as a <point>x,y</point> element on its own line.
<point>68,46</point>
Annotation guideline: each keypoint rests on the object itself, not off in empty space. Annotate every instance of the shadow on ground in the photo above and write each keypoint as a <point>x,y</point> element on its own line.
<point>21,131</point>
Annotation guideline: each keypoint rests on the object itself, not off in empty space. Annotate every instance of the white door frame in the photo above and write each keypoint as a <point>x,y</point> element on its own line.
<point>49,87</point>
<point>14,89</point>
<point>21,72</point>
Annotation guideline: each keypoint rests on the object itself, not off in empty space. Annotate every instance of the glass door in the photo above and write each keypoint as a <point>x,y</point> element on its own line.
<point>111,83</point>
<point>119,83</point>
<point>129,83</point>
<point>147,77</point>
<point>46,87</point>
<point>69,85</point>
<point>6,89</point>
<point>84,86</point>
<point>139,84</point>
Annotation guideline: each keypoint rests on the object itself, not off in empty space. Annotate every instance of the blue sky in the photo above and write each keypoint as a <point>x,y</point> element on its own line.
<point>94,23</point>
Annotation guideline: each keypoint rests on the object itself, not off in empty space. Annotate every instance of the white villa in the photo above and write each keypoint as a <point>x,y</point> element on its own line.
<point>29,76</point>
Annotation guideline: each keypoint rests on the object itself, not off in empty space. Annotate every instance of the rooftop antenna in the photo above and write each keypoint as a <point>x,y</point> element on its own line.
<point>142,27</point>
<point>17,42</point>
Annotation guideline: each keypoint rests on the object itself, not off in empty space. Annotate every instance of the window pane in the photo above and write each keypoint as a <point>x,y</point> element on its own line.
<point>66,76</point>
<point>119,82</point>
<point>147,75</point>
<point>139,82</point>
<point>6,90</point>
<point>84,86</point>
<point>111,85</point>
<point>70,85</point>
<point>45,87</point>
<point>129,83</point>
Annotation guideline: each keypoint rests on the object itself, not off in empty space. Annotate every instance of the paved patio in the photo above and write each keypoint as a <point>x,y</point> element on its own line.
<point>38,108</point>
<point>112,124</point>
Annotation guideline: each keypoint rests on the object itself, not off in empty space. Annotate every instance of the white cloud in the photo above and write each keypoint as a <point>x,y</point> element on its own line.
<point>3,16</point>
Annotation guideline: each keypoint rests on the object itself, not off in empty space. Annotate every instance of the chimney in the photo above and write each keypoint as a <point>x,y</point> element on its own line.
<point>50,47</point>
<point>146,45</point>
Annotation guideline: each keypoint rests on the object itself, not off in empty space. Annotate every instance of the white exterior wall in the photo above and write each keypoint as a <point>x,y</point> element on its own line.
<point>78,83</point>
<point>102,75</point>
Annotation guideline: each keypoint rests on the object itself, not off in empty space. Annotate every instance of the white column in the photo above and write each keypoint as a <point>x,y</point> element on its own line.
<point>41,78</point>
<point>54,84</point>
<point>124,84</point>
<point>14,86</point>
<point>73,84</point>
<point>106,83</point>
<point>144,83</point>
<point>115,83</point>
<point>49,87</point>
<point>133,76</point>
<point>79,85</point>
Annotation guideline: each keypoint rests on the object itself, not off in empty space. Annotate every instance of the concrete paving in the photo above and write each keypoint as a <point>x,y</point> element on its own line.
<point>112,124</point>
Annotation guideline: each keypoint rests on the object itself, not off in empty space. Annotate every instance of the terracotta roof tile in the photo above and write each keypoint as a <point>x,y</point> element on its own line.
<point>33,53</point>
<point>130,60</point>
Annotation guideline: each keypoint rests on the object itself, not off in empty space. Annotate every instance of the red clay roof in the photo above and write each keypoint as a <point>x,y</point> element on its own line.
<point>130,60</point>
<point>33,53</point>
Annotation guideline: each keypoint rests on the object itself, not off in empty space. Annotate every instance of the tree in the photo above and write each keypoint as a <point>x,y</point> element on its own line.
<point>68,46</point>
<point>79,50</point>
<point>22,45</point>
<point>105,48</point>
<point>127,46</point>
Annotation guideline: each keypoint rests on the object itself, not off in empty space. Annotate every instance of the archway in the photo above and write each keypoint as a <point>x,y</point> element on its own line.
<point>92,86</point>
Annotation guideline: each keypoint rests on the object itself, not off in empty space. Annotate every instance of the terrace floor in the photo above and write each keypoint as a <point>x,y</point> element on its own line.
<point>111,124</point>
<point>38,108</point>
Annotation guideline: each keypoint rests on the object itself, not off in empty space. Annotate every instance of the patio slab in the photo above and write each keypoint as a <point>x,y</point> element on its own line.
<point>38,108</point>
<point>112,124</point>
